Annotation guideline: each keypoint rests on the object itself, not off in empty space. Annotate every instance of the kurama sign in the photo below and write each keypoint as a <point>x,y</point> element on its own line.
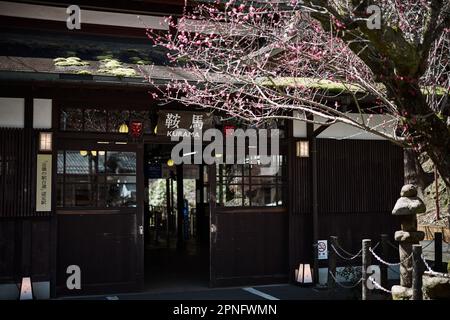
<point>193,122</point>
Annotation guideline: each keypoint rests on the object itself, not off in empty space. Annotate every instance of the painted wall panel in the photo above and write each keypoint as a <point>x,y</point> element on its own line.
<point>299,126</point>
<point>42,113</point>
<point>382,123</point>
<point>12,112</point>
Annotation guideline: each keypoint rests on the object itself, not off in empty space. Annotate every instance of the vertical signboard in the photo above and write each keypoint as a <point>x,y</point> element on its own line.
<point>44,183</point>
<point>322,249</point>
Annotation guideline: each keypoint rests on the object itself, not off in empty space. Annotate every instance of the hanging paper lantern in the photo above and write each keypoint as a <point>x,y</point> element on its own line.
<point>123,128</point>
<point>136,129</point>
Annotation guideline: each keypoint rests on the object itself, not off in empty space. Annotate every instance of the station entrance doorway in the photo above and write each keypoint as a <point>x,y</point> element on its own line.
<point>176,222</point>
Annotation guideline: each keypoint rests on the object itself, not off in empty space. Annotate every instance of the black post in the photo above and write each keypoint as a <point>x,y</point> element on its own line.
<point>180,207</point>
<point>315,190</point>
<point>383,267</point>
<point>316,264</point>
<point>438,252</point>
<point>332,262</point>
<point>366,261</point>
<point>417,272</point>
<point>169,210</point>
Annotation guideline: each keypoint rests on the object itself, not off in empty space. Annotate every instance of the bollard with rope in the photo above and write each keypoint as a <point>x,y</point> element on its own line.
<point>389,263</point>
<point>334,252</point>
<point>383,267</point>
<point>332,263</point>
<point>431,271</point>
<point>417,272</point>
<point>438,252</point>
<point>366,261</point>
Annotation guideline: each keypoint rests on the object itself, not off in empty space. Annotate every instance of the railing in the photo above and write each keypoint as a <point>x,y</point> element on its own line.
<point>419,264</point>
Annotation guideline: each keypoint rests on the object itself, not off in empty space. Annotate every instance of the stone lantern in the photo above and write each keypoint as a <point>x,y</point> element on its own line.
<point>406,208</point>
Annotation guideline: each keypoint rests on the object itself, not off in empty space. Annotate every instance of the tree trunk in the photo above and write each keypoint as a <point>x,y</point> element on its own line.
<point>437,146</point>
<point>448,202</point>
<point>429,132</point>
<point>414,173</point>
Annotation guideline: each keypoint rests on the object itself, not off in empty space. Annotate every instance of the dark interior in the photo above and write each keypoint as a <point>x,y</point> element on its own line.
<point>176,254</point>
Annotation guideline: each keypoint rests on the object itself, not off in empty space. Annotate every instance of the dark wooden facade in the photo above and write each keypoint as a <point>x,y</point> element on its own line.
<point>24,233</point>
<point>358,184</point>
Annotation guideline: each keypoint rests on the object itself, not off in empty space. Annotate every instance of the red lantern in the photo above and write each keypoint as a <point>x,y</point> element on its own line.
<point>228,129</point>
<point>136,129</point>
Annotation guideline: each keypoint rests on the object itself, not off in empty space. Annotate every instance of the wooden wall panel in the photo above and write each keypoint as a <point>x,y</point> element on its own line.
<point>18,173</point>
<point>40,248</point>
<point>103,246</point>
<point>8,248</point>
<point>251,247</point>
<point>358,175</point>
<point>14,263</point>
<point>358,184</point>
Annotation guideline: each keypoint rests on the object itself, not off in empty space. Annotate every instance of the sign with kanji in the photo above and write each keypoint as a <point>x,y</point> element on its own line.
<point>44,183</point>
<point>194,122</point>
<point>322,249</point>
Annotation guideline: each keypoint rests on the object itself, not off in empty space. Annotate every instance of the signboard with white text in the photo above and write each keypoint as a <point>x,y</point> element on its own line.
<point>44,183</point>
<point>193,122</point>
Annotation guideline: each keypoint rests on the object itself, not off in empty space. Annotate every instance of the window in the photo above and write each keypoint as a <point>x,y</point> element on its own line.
<point>250,184</point>
<point>95,178</point>
<point>100,120</point>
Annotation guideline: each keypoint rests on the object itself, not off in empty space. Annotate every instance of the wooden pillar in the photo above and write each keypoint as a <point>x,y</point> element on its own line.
<point>26,222</point>
<point>315,201</point>
<point>417,272</point>
<point>366,261</point>
<point>438,252</point>
<point>383,267</point>
<point>180,206</point>
<point>332,262</point>
<point>316,264</point>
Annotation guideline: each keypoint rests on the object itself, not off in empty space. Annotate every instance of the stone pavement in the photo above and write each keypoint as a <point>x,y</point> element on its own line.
<point>269,292</point>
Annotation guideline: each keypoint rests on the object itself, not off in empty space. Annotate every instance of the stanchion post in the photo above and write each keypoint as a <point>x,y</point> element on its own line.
<point>438,252</point>
<point>417,272</point>
<point>332,262</point>
<point>383,267</point>
<point>316,264</point>
<point>366,261</point>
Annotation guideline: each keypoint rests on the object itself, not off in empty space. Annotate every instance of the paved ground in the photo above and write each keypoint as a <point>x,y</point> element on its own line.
<point>428,250</point>
<point>270,292</point>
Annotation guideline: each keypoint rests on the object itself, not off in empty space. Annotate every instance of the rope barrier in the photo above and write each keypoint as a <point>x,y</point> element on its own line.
<point>389,263</point>
<point>345,251</point>
<point>396,247</point>
<point>434,273</point>
<point>376,245</point>
<point>378,286</point>
<point>345,258</point>
<point>344,286</point>
<point>431,242</point>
